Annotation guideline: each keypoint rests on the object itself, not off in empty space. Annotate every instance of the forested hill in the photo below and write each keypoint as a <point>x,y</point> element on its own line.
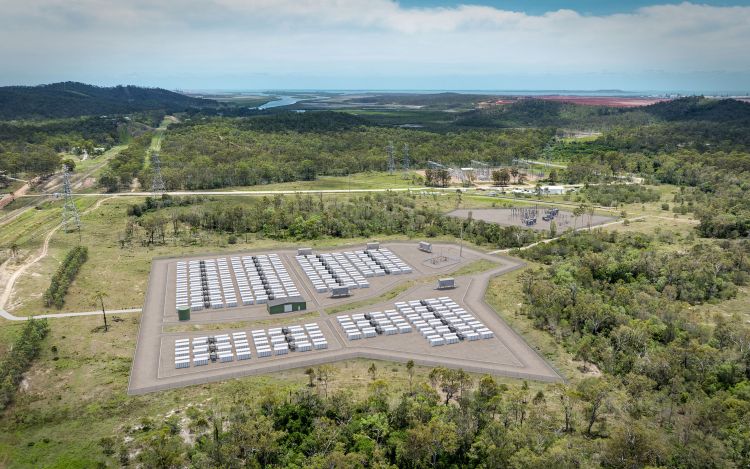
<point>701,109</point>
<point>71,99</point>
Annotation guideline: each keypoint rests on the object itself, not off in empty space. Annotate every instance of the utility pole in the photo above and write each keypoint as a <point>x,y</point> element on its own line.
<point>70,218</point>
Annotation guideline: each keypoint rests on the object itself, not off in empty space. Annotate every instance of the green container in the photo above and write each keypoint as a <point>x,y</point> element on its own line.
<point>183,313</point>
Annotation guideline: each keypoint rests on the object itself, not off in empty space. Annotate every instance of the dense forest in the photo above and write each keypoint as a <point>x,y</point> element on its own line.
<point>287,147</point>
<point>71,99</point>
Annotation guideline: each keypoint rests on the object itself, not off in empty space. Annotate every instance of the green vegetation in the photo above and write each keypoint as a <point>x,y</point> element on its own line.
<point>71,99</point>
<point>306,217</point>
<point>611,195</point>
<point>58,287</point>
<point>127,165</point>
<point>648,320</point>
<point>621,304</point>
<point>18,360</point>
<point>291,146</point>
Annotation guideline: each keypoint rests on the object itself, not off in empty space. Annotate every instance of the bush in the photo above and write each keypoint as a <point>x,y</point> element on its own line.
<point>19,359</point>
<point>66,273</point>
<point>665,207</point>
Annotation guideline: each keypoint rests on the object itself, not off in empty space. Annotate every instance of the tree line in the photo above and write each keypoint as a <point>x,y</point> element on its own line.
<point>19,357</point>
<point>64,276</point>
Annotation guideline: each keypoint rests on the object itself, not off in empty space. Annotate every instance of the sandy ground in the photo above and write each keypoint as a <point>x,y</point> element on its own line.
<point>506,354</point>
<point>505,217</point>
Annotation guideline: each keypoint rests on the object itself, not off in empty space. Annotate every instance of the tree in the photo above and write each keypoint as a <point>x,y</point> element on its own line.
<point>410,371</point>
<point>325,375</point>
<point>373,371</point>
<point>501,177</point>
<point>163,451</point>
<point>99,297</point>
<point>515,173</point>
<point>450,381</point>
<point>423,445</point>
<point>593,393</point>
<point>311,376</point>
<point>70,164</point>
<point>584,350</point>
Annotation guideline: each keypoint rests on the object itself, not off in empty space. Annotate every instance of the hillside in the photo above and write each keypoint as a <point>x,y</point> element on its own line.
<point>71,99</point>
<point>701,109</point>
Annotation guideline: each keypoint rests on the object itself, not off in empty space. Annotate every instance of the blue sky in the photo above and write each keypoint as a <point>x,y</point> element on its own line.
<point>379,44</point>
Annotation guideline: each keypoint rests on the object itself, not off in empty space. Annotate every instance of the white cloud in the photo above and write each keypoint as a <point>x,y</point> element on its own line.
<point>362,37</point>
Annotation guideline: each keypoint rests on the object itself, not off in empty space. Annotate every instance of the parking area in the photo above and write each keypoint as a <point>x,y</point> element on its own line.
<point>454,327</point>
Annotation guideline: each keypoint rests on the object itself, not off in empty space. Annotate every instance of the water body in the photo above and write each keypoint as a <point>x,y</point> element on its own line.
<point>282,101</point>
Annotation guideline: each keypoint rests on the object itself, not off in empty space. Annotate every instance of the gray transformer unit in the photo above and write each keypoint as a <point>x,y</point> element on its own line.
<point>373,245</point>
<point>425,246</point>
<point>339,292</point>
<point>304,251</point>
<point>446,283</point>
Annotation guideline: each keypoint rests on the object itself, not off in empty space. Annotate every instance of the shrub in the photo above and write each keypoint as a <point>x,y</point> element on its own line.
<point>61,280</point>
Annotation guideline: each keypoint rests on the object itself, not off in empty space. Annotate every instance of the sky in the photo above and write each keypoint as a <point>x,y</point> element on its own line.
<point>655,46</point>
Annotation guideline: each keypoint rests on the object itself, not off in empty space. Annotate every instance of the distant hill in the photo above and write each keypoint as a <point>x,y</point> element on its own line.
<point>70,99</point>
<point>701,109</point>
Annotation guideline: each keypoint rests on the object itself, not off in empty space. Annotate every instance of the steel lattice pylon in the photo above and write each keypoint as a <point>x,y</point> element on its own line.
<point>157,182</point>
<point>391,160</point>
<point>71,220</point>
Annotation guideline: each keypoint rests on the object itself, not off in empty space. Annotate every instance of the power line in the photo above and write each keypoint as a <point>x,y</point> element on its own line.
<point>157,182</point>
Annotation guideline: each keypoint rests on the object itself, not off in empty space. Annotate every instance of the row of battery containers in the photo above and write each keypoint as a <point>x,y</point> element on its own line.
<point>332,270</point>
<point>201,350</point>
<point>366,325</point>
<point>301,339</point>
<point>279,281</point>
<point>197,302</point>
<point>448,324</point>
<point>389,261</point>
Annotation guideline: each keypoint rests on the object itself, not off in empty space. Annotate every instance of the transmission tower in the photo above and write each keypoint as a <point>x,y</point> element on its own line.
<point>391,159</point>
<point>157,183</point>
<point>406,160</point>
<point>70,218</point>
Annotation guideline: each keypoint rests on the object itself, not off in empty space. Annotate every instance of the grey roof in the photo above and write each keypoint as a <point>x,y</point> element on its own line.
<point>288,299</point>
